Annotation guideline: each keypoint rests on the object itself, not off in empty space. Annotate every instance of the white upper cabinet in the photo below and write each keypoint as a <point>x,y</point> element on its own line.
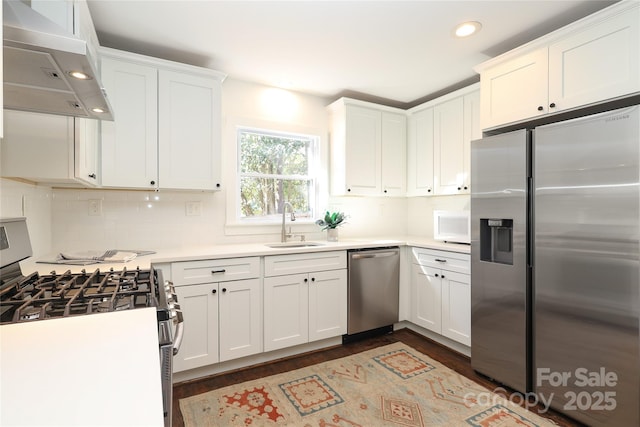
<point>440,133</point>
<point>420,153</point>
<point>50,149</point>
<point>166,132</point>
<point>592,60</point>
<point>130,142</point>
<point>189,131</point>
<point>368,146</point>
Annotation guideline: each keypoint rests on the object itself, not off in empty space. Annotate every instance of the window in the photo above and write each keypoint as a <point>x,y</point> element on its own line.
<point>275,168</point>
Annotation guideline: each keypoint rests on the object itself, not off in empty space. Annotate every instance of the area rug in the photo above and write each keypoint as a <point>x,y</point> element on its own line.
<point>393,385</point>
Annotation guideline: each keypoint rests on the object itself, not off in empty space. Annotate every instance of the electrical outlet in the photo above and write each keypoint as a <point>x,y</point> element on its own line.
<point>194,208</point>
<point>95,207</point>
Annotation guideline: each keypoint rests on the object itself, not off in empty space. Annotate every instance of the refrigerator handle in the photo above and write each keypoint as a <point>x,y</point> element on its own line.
<point>529,221</point>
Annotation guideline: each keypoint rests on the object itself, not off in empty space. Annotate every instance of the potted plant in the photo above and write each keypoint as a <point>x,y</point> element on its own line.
<point>330,223</point>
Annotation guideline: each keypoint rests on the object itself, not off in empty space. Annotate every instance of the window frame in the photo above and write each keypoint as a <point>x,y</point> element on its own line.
<point>313,169</point>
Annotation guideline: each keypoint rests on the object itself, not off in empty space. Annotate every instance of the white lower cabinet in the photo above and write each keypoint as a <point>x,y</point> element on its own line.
<point>441,293</point>
<point>222,318</point>
<point>305,298</point>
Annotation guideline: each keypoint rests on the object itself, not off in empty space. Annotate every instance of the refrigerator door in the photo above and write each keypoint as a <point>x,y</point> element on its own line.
<point>586,281</point>
<point>499,268</point>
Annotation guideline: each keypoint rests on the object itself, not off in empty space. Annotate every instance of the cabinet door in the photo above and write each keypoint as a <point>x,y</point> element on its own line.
<point>240,319</point>
<point>427,297</point>
<point>327,304</point>
<point>189,131</point>
<point>448,148</point>
<point>86,151</point>
<point>199,304</point>
<point>515,90</point>
<point>394,143</point>
<point>598,63</point>
<point>420,154</point>
<point>130,142</point>
<point>286,311</point>
<point>471,131</point>
<point>456,307</point>
<point>362,151</point>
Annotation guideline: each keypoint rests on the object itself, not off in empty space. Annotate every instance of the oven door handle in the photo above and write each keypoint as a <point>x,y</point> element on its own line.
<point>179,333</point>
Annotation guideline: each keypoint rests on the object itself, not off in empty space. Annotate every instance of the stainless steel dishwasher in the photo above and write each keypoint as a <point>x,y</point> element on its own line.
<point>374,280</point>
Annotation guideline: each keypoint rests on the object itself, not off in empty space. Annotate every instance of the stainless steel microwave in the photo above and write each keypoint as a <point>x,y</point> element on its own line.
<point>452,226</point>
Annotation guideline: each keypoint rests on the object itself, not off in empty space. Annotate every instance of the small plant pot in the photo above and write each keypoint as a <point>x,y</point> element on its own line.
<point>332,234</point>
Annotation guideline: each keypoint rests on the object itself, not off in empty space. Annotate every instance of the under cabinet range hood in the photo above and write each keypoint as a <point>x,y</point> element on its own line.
<point>40,62</point>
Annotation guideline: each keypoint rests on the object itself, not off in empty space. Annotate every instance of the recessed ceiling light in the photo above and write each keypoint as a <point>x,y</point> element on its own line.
<point>97,110</point>
<point>80,75</point>
<point>467,28</point>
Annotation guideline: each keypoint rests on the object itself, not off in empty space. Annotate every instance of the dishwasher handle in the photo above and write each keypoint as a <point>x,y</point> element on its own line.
<point>374,255</point>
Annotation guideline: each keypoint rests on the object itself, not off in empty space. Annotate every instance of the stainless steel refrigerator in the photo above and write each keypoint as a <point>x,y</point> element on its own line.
<point>555,262</point>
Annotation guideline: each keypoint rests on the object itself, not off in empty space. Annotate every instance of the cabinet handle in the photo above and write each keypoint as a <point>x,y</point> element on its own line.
<point>440,260</point>
<point>225,289</point>
<point>552,105</point>
<point>92,175</point>
<point>540,108</point>
<point>218,271</point>
<point>214,291</point>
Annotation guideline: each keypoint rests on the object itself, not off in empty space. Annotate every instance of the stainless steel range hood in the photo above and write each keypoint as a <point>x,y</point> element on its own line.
<point>39,57</point>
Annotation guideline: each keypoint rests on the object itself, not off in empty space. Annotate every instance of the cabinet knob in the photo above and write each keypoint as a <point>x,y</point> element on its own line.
<point>429,190</point>
<point>218,185</point>
<point>443,276</point>
<point>437,275</point>
<point>214,291</point>
<point>153,183</point>
<point>552,105</point>
<point>385,191</point>
<point>313,279</point>
<point>225,289</point>
<point>540,108</point>
<point>459,188</point>
<point>348,190</point>
<point>466,188</point>
<point>93,175</point>
<point>306,280</point>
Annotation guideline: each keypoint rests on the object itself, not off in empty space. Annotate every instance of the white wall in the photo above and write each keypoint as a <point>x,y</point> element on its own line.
<point>420,212</point>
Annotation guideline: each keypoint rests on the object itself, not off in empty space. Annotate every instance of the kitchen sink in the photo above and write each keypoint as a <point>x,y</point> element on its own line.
<point>294,244</point>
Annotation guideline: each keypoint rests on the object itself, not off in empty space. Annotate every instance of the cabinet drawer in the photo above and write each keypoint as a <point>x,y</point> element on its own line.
<point>278,265</point>
<point>451,261</point>
<point>215,270</point>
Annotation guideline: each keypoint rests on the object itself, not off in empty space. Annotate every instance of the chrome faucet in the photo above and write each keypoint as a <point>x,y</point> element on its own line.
<point>284,234</point>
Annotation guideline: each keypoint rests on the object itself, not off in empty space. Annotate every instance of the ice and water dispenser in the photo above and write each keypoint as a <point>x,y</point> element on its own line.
<point>496,240</point>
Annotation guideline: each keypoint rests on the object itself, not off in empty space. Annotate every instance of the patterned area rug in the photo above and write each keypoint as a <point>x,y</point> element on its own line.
<point>394,385</point>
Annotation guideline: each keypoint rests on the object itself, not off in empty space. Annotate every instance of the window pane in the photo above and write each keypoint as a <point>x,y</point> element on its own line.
<point>273,155</point>
<point>261,197</point>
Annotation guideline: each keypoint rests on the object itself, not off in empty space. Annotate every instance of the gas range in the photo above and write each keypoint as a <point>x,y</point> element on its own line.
<point>40,297</point>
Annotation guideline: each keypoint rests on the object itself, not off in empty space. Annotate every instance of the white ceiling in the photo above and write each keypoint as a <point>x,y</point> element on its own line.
<point>396,52</point>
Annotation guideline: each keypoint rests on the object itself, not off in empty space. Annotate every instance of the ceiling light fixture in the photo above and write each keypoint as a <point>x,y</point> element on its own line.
<point>467,28</point>
<point>97,110</point>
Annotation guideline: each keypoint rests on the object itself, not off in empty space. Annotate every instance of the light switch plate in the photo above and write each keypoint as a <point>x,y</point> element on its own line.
<point>95,207</point>
<point>193,208</point>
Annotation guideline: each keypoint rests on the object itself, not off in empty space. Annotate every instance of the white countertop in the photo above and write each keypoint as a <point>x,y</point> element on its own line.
<point>240,250</point>
<point>82,371</point>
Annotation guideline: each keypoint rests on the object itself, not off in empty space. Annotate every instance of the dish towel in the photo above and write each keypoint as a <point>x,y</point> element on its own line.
<point>110,256</point>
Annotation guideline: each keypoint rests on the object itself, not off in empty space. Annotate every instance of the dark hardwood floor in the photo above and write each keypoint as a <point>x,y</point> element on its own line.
<point>444,355</point>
